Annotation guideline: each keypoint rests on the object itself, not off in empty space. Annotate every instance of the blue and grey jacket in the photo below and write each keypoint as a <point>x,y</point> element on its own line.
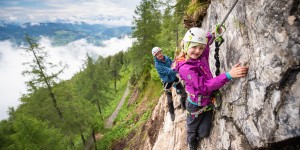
<point>164,70</point>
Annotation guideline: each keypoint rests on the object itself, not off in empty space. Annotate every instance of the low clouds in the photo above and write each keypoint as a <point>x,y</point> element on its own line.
<point>112,12</point>
<point>11,80</point>
<point>73,54</point>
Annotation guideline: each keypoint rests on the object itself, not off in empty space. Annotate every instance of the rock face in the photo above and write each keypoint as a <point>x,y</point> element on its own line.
<point>168,134</point>
<point>264,108</point>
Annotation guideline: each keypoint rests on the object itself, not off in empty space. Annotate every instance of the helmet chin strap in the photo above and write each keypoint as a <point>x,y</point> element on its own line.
<point>187,47</point>
<point>187,57</point>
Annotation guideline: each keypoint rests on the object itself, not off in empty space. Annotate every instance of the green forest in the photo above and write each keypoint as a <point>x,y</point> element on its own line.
<point>57,114</point>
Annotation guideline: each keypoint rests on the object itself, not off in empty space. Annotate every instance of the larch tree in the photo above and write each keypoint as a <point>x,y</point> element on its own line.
<point>38,70</point>
<point>146,27</point>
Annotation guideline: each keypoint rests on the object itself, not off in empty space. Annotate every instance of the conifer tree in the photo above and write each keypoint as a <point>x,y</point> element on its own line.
<point>6,130</point>
<point>76,114</point>
<point>172,27</point>
<point>115,65</point>
<point>146,26</point>
<point>38,71</point>
<point>31,133</point>
<point>93,82</point>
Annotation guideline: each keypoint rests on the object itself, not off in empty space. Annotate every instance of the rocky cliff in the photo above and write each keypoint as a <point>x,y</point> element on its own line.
<point>260,111</point>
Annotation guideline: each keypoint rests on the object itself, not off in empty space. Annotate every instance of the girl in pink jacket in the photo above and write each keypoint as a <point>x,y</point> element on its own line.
<point>193,68</point>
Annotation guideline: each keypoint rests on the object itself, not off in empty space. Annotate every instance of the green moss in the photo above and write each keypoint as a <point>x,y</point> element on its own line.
<point>195,7</point>
<point>192,8</point>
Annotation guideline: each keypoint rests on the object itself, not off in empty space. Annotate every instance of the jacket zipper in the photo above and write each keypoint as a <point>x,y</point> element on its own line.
<point>203,70</point>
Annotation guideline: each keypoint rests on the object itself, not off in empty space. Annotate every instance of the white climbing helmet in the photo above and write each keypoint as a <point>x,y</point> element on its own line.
<point>155,50</point>
<point>195,35</point>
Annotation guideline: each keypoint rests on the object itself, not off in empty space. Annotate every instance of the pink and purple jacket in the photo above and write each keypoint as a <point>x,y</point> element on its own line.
<point>198,78</point>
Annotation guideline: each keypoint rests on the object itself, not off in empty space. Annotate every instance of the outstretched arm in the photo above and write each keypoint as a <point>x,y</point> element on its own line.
<point>195,81</point>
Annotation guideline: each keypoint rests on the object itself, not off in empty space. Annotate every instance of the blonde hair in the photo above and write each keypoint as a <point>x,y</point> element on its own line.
<point>180,56</point>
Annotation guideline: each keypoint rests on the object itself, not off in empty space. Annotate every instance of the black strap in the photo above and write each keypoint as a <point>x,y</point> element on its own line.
<point>217,45</point>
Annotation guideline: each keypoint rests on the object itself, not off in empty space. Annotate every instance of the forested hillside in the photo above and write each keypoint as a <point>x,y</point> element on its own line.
<point>59,114</point>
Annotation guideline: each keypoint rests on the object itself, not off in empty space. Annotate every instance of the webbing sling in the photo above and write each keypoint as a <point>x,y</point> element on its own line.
<point>199,99</point>
<point>200,111</point>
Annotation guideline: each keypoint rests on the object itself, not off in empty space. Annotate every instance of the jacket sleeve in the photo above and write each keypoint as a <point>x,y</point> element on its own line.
<point>201,84</point>
<point>164,70</point>
<point>169,59</point>
<point>207,48</point>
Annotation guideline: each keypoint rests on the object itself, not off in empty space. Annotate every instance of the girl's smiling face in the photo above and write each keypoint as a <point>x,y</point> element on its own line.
<point>196,51</point>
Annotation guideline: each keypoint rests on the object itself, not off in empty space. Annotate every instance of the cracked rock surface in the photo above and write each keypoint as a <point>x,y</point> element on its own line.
<point>263,109</point>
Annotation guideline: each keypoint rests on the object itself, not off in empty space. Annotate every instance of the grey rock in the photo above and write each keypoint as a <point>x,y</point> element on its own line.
<point>262,108</point>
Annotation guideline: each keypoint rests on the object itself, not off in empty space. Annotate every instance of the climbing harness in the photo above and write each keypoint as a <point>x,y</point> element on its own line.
<point>199,99</point>
<point>174,84</point>
<point>178,91</point>
<point>165,86</point>
<point>200,111</point>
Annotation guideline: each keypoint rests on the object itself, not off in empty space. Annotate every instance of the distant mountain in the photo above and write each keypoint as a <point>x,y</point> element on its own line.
<point>62,33</point>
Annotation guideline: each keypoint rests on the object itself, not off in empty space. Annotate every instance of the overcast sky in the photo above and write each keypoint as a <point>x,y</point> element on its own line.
<point>36,11</point>
<point>90,11</point>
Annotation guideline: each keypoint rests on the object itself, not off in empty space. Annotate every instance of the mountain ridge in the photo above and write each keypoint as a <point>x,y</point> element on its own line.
<point>62,33</point>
